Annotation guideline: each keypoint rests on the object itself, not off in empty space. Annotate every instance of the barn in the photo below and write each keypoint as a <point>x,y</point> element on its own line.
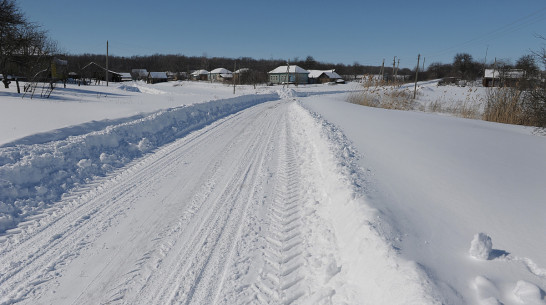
<point>324,76</point>
<point>156,77</point>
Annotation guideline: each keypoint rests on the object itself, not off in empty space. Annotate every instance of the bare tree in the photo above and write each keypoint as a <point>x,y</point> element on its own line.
<point>11,20</point>
<point>536,102</point>
<point>465,66</point>
<point>23,45</point>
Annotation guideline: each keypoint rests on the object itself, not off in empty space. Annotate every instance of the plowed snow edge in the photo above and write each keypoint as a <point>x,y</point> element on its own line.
<point>34,176</point>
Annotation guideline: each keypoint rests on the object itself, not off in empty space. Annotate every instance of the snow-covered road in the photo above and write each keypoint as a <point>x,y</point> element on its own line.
<point>166,229</point>
<point>232,213</point>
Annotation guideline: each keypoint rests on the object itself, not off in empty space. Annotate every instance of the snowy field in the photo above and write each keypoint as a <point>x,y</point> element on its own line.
<point>185,193</point>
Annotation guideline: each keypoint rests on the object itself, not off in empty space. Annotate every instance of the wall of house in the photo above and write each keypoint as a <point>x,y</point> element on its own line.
<point>279,78</point>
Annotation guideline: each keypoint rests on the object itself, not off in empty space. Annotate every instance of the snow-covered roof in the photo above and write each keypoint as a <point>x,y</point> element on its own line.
<point>199,72</point>
<point>243,70</point>
<point>330,73</point>
<point>293,69</point>
<point>140,72</point>
<point>157,75</point>
<point>125,75</point>
<point>514,73</point>
<point>226,75</point>
<point>220,71</point>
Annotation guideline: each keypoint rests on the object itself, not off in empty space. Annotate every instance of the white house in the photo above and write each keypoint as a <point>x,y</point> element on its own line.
<point>289,74</point>
<point>200,75</point>
<point>220,74</point>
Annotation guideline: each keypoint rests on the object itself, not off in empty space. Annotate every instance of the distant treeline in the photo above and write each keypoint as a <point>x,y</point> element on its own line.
<point>182,63</point>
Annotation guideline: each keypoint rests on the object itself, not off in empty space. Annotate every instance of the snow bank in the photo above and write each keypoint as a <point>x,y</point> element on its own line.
<point>33,176</point>
<point>373,269</point>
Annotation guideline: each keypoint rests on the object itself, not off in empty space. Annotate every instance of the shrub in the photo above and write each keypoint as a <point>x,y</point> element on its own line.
<point>534,105</point>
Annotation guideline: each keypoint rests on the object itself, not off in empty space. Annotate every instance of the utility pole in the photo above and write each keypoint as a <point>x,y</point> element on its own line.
<point>416,75</point>
<point>287,73</point>
<point>494,68</point>
<point>106,63</point>
<point>233,75</point>
<point>296,80</point>
<point>382,69</point>
<point>485,60</point>
<point>393,68</point>
<point>397,67</point>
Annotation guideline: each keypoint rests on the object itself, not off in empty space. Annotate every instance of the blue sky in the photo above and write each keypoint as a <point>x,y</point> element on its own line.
<point>331,31</point>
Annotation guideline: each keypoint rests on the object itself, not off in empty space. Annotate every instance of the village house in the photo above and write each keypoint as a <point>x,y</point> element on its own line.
<point>139,74</point>
<point>499,78</point>
<point>289,74</point>
<point>241,75</point>
<point>125,77</point>
<point>200,75</point>
<point>98,73</point>
<point>156,77</point>
<point>220,75</point>
<point>174,76</point>
<point>324,76</point>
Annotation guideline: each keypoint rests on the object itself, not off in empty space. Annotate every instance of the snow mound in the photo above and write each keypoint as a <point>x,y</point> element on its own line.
<point>140,88</point>
<point>150,90</point>
<point>131,88</point>
<point>480,247</point>
<point>486,290</point>
<point>287,93</point>
<point>528,293</point>
<point>36,175</point>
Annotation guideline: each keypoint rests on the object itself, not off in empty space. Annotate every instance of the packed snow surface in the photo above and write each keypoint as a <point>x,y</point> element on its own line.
<point>185,193</point>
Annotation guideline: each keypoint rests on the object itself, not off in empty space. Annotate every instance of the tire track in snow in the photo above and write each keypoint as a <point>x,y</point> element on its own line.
<point>196,275</point>
<point>268,267</point>
<point>283,252</point>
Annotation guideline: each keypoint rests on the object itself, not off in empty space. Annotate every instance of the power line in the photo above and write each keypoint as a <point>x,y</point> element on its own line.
<point>515,25</point>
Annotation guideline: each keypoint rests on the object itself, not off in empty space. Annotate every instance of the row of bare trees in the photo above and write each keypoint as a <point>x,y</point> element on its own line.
<point>466,68</point>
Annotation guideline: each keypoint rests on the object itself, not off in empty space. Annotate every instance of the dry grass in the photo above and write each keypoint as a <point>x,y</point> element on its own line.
<point>510,105</point>
<point>377,93</point>
<point>504,105</point>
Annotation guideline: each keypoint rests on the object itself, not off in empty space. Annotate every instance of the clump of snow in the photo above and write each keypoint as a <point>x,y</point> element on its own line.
<point>528,293</point>
<point>480,247</point>
<point>145,145</point>
<point>35,175</point>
